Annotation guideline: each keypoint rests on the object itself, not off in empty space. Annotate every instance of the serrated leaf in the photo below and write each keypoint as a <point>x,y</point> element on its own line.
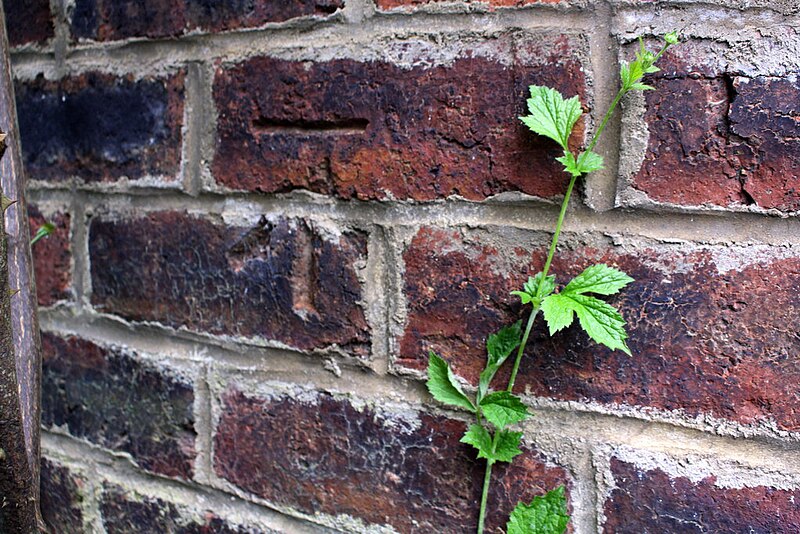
<point>601,321</point>
<point>499,347</point>
<point>507,446</point>
<point>479,437</point>
<point>638,86</point>
<point>530,288</point>
<point>589,162</point>
<point>503,408</point>
<point>544,515</point>
<point>551,114</point>
<point>503,343</point>
<point>443,385</point>
<point>600,279</point>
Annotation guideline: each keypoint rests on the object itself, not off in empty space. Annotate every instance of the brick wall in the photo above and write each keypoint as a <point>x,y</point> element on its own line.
<point>267,212</point>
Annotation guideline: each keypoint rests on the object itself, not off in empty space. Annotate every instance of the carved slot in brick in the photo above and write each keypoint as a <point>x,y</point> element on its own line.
<point>267,126</point>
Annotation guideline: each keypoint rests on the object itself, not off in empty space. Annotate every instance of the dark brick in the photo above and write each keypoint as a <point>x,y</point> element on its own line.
<point>653,501</point>
<point>128,513</point>
<point>703,341</point>
<point>62,497</point>
<point>390,4</point>
<point>52,257</point>
<point>28,21</point>
<point>323,454</point>
<point>100,128</point>
<point>286,281</point>
<point>719,138</point>
<point>108,20</point>
<point>374,130</point>
<point>115,400</point>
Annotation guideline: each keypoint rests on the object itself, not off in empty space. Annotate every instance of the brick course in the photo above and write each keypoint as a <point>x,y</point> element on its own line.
<point>52,257</point>
<point>418,133</point>
<point>113,399</point>
<point>99,128</point>
<point>301,283</point>
<point>411,474</point>
<point>28,21</point>
<point>62,497</point>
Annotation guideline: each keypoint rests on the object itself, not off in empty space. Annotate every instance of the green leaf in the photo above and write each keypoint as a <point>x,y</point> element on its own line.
<point>443,385</point>
<point>551,115</point>
<point>671,38</point>
<point>6,202</point>
<point>499,347</point>
<point>601,321</point>
<point>504,408</point>
<point>638,86</point>
<point>507,446</point>
<point>589,162</point>
<point>600,279</point>
<point>544,515</point>
<point>528,294</point>
<point>479,437</point>
<point>45,230</point>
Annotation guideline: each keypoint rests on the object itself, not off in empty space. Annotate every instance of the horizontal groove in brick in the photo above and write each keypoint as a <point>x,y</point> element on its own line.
<point>285,280</point>
<point>422,132</point>
<point>110,20</point>
<point>114,399</point>
<point>712,329</point>
<point>98,127</point>
<point>318,452</point>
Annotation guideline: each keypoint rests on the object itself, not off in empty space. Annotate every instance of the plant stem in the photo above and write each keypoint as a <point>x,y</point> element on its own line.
<point>484,497</point>
<point>531,320</point>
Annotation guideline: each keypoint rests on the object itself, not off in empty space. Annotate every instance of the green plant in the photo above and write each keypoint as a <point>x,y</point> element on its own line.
<point>553,116</point>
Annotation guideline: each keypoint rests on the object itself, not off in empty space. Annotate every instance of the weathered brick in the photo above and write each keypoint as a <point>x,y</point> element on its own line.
<point>289,280</point>
<point>431,130</point>
<point>62,497</point>
<point>28,21</point>
<point>116,400</point>
<point>108,20</point>
<point>390,4</point>
<point>718,137</point>
<point>99,127</point>
<point>321,453</point>
<point>650,500</point>
<point>712,328</point>
<point>52,257</point>
<point>126,512</point>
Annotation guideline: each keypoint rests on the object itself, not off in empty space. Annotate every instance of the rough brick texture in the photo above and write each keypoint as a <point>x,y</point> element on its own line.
<point>126,512</point>
<point>289,280</point>
<point>390,4</point>
<point>420,133</point>
<point>702,339</point>
<point>62,497</point>
<point>116,400</point>
<point>108,20</point>
<point>650,500</point>
<point>28,21</point>
<point>52,257</point>
<point>721,138</point>
<point>320,453</point>
<point>99,127</point>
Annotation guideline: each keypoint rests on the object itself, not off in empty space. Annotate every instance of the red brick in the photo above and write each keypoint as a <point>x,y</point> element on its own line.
<point>703,341</point>
<point>126,512</point>
<point>650,500</point>
<point>108,20</point>
<point>28,21</point>
<point>390,4</point>
<point>114,399</point>
<point>719,138</point>
<point>288,281</point>
<point>62,497</point>
<point>100,128</point>
<point>52,257</point>
<point>322,454</point>
<point>375,130</point>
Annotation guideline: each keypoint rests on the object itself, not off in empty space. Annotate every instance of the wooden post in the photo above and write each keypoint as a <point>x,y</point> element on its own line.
<point>20,345</point>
